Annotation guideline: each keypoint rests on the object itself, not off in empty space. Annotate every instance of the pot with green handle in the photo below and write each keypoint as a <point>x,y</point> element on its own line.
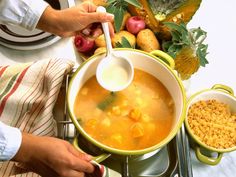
<point>159,65</point>
<point>221,93</point>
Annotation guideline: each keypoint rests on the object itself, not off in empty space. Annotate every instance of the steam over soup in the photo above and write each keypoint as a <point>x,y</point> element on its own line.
<point>138,117</point>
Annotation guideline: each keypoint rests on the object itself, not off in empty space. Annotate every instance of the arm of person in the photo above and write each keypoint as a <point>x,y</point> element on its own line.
<point>39,14</point>
<point>46,156</point>
<point>24,13</point>
<point>50,156</point>
<point>10,141</point>
<point>70,21</point>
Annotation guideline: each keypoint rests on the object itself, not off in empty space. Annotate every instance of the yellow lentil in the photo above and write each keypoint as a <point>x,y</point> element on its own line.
<point>213,123</point>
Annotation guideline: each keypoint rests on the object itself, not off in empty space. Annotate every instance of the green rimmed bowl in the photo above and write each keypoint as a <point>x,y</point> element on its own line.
<point>158,64</point>
<point>221,93</point>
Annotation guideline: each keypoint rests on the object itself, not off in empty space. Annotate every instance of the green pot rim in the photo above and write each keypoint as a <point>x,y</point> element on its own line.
<point>196,139</point>
<point>129,152</point>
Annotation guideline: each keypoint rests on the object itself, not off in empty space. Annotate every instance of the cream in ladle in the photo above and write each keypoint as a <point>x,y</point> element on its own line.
<point>113,73</point>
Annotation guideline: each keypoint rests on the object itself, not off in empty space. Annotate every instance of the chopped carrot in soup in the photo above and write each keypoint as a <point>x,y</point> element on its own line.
<point>137,117</point>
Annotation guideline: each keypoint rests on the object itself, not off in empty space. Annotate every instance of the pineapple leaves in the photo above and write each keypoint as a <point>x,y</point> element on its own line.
<point>178,27</point>
<point>179,33</point>
<point>176,36</point>
<point>198,33</point>
<point>202,52</point>
<point>171,49</point>
<point>182,37</point>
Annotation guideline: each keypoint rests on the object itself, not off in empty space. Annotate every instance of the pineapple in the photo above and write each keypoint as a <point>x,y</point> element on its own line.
<point>187,49</point>
<point>186,62</point>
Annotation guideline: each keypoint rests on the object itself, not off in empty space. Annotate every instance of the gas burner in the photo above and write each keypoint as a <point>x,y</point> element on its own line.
<point>173,160</point>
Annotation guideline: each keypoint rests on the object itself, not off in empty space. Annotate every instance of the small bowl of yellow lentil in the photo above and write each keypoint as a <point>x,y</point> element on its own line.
<point>211,122</point>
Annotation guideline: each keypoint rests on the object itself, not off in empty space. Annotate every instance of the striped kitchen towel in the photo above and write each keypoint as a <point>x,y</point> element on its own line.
<point>28,93</point>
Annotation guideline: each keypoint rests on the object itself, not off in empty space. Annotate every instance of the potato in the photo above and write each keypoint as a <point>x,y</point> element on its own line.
<point>147,40</point>
<point>125,18</point>
<point>100,50</point>
<point>106,122</point>
<point>118,37</point>
<point>100,41</point>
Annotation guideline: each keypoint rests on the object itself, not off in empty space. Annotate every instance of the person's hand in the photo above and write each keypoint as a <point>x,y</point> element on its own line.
<point>52,157</point>
<point>71,21</point>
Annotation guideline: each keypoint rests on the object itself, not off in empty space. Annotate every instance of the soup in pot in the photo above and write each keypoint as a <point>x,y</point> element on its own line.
<point>135,118</point>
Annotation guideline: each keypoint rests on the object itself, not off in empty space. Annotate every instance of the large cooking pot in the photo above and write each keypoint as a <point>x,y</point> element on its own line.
<point>158,64</point>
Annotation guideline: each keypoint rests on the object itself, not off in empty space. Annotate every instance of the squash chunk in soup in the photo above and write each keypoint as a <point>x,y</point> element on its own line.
<point>137,117</point>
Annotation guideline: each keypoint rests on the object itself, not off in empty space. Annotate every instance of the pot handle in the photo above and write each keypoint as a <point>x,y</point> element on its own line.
<point>97,159</point>
<point>207,160</point>
<point>223,88</point>
<point>165,57</point>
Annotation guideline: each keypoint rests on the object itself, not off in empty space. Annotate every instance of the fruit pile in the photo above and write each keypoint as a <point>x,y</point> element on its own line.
<point>153,25</point>
<point>132,34</point>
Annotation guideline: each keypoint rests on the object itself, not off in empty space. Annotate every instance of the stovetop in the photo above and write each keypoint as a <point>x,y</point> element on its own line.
<point>173,160</point>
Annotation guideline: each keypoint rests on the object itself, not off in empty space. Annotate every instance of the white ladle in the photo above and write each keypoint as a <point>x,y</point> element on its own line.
<point>113,73</point>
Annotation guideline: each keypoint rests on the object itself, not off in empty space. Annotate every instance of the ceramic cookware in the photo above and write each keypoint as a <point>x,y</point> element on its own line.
<point>158,64</point>
<point>221,93</point>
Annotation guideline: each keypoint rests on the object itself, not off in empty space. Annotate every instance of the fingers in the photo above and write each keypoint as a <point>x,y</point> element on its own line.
<point>99,17</point>
<point>86,31</point>
<point>73,173</point>
<point>97,32</point>
<point>89,6</point>
<point>80,161</point>
<point>41,169</point>
<point>111,30</point>
<point>94,30</point>
<point>96,173</point>
<point>82,165</point>
<point>79,154</point>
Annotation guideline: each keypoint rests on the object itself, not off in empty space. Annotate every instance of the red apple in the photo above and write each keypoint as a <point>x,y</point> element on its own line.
<point>83,44</point>
<point>135,24</point>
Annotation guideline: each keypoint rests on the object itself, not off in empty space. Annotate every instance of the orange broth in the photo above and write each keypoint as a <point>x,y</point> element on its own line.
<point>137,117</point>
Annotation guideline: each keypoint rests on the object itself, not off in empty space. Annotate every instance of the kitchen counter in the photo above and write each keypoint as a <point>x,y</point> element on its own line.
<point>216,18</point>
